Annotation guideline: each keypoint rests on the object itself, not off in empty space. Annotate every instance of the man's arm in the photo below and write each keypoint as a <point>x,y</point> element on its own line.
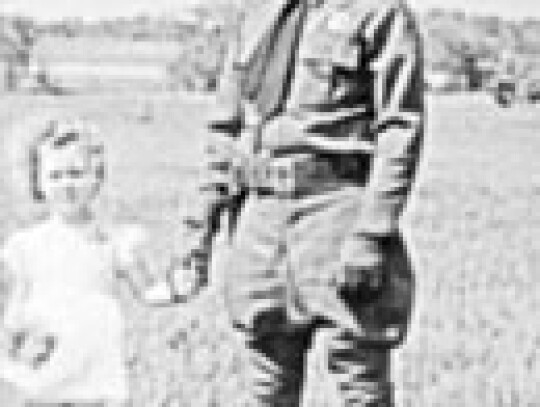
<point>378,103</point>
<point>394,54</point>
<point>215,191</point>
<point>395,49</point>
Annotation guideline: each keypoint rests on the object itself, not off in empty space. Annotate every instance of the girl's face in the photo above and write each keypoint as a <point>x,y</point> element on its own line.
<point>68,180</point>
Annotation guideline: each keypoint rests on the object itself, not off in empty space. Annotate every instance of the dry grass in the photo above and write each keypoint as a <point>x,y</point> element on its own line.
<point>473,226</point>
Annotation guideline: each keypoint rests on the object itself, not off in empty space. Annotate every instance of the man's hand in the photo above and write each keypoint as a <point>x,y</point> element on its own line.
<point>185,279</point>
<point>363,265</point>
<point>189,279</point>
<point>159,293</point>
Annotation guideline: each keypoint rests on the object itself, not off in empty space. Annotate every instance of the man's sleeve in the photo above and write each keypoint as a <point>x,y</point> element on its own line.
<point>214,187</point>
<point>380,103</point>
<point>395,57</point>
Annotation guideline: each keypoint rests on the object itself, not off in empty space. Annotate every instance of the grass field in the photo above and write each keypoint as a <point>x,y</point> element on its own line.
<point>473,225</point>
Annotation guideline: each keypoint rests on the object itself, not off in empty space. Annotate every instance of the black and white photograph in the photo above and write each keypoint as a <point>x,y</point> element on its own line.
<point>269,203</point>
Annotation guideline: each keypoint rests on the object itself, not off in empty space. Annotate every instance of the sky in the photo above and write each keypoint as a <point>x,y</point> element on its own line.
<point>47,9</point>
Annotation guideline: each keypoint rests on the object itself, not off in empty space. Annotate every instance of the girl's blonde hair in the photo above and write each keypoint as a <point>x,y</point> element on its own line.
<point>62,133</point>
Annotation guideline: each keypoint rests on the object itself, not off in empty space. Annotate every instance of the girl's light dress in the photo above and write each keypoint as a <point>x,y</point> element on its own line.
<point>64,288</point>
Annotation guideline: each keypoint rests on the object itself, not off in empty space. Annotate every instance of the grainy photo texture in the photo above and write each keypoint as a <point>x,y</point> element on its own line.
<point>285,203</point>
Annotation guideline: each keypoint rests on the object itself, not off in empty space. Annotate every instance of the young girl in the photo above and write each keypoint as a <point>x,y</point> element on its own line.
<point>62,339</point>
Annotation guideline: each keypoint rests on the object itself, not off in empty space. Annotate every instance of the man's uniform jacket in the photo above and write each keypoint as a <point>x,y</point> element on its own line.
<point>340,87</point>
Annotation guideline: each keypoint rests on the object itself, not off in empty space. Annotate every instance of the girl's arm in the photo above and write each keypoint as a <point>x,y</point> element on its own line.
<point>130,265</point>
<point>147,283</point>
<point>17,293</point>
<point>20,349</point>
<point>16,288</point>
<point>12,337</point>
<point>135,268</point>
<point>24,349</point>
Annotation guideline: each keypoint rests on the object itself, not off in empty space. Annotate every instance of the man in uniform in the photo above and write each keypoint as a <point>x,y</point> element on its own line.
<point>315,154</point>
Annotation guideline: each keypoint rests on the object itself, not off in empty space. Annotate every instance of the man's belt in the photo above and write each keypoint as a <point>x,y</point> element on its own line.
<point>297,174</point>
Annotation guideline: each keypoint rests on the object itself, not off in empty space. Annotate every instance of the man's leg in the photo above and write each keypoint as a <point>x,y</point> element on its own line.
<point>362,374</point>
<point>255,289</point>
<point>276,356</point>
